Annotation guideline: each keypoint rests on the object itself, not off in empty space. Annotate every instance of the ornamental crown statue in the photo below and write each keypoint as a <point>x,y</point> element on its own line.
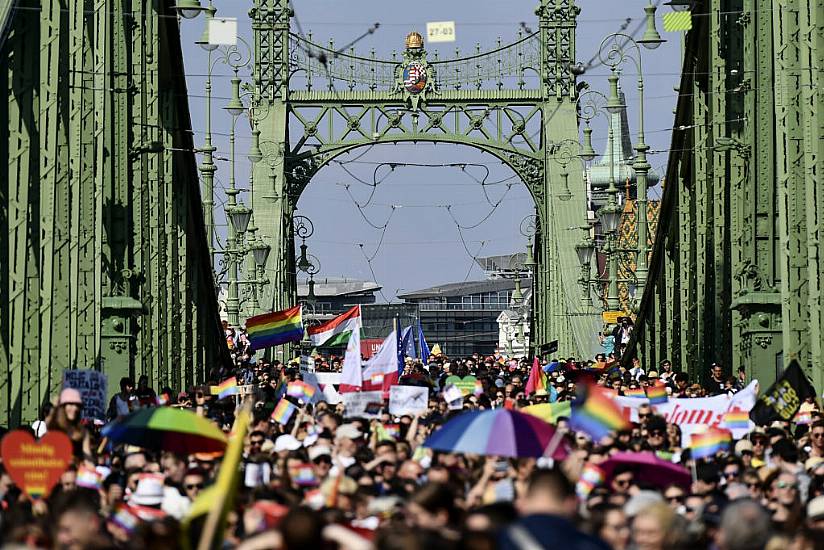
<point>414,40</point>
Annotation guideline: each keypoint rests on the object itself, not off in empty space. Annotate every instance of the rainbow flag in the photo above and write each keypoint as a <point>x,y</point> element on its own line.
<point>300,390</point>
<point>537,378</point>
<point>392,431</point>
<point>163,399</point>
<point>283,411</point>
<point>737,420</point>
<point>88,478</point>
<point>276,328</point>
<point>710,442</point>
<point>591,476</point>
<point>805,417</point>
<point>594,413</point>
<point>657,394</point>
<point>479,388</point>
<point>227,388</point>
<point>124,518</point>
<point>635,392</point>
<point>305,476</point>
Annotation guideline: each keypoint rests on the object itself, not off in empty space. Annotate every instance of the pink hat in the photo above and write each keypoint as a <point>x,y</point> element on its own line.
<point>70,396</point>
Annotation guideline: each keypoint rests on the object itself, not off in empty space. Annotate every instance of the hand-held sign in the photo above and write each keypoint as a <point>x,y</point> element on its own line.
<point>36,466</point>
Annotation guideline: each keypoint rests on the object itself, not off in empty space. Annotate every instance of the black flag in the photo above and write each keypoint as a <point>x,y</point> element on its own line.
<point>784,398</point>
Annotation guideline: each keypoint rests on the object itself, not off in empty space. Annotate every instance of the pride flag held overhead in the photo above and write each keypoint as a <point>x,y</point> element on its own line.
<point>276,328</point>
<point>227,388</point>
<point>706,444</point>
<point>635,392</point>
<point>594,413</point>
<point>283,411</point>
<point>537,378</point>
<point>657,394</point>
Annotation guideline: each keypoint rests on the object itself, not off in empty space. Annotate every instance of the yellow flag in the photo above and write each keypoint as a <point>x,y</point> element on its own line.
<point>436,350</point>
<point>215,502</point>
<point>676,21</point>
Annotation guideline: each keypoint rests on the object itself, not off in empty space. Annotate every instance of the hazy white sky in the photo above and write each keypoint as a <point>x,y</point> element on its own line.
<point>421,245</point>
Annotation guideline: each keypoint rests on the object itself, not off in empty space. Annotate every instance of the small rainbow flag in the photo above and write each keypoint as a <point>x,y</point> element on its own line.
<point>479,388</point>
<point>283,411</point>
<point>300,390</point>
<point>276,328</point>
<point>392,431</point>
<point>377,379</point>
<point>635,392</point>
<point>805,417</point>
<point>163,399</point>
<point>594,413</point>
<point>737,419</point>
<point>657,394</point>
<point>227,388</point>
<point>305,476</point>
<point>88,478</point>
<point>125,519</point>
<point>710,442</point>
<point>591,476</point>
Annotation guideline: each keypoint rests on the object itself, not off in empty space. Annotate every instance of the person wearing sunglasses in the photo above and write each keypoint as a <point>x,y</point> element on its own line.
<point>817,439</point>
<point>622,478</point>
<point>675,496</point>
<point>193,482</point>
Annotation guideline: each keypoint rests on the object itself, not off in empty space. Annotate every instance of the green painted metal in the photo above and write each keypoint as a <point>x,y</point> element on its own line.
<point>739,239</point>
<point>100,202</point>
<point>312,103</point>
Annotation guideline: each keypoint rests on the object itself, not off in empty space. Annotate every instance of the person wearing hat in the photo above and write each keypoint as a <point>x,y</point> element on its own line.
<point>815,513</point>
<point>657,433</point>
<point>743,449</point>
<point>66,417</point>
<point>346,436</point>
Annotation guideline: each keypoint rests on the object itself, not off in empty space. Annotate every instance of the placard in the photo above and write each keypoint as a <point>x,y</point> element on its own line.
<point>410,400</point>
<point>451,393</point>
<point>362,404</point>
<point>440,31</point>
<point>223,31</point>
<point>92,385</point>
<point>36,466</point>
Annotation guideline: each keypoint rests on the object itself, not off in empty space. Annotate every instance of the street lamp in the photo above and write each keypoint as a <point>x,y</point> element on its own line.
<point>651,38</point>
<point>591,104</point>
<point>679,5</point>
<point>204,41</point>
<point>613,52</point>
<point>188,9</point>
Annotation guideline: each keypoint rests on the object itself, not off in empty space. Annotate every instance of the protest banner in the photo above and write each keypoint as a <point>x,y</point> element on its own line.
<point>36,466</point>
<point>695,414</point>
<point>365,403</point>
<point>410,400</point>
<point>465,384</point>
<point>783,399</point>
<point>92,385</point>
<point>452,393</point>
<point>324,378</point>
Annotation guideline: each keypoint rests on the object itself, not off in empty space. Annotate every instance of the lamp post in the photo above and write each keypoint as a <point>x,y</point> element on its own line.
<point>613,52</point>
<point>610,214</point>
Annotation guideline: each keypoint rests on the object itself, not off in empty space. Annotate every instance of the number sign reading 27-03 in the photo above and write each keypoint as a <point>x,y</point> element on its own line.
<point>440,31</point>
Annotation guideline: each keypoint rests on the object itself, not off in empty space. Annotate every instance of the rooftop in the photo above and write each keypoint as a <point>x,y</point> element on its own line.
<point>338,286</point>
<point>462,289</point>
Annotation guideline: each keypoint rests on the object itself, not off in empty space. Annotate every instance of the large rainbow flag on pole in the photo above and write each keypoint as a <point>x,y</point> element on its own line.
<point>276,328</point>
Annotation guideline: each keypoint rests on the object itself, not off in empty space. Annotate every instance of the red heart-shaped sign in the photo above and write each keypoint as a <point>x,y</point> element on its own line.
<point>36,466</point>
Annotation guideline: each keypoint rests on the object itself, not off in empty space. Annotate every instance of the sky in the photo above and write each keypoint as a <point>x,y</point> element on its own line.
<point>403,236</point>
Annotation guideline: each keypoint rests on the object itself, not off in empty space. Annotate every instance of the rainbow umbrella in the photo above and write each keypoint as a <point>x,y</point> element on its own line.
<point>498,432</point>
<point>166,429</point>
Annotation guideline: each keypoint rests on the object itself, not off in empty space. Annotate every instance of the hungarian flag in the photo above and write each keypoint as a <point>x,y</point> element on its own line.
<point>783,399</point>
<point>336,332</point>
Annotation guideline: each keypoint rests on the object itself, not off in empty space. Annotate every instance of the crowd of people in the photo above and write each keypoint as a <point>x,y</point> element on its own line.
<point>325,479</point>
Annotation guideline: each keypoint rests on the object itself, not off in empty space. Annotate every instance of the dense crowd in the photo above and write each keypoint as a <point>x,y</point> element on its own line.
<point>328,480</point>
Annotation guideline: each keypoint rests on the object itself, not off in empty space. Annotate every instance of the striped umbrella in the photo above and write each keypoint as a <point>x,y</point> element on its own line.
<point>167,429</point>
<point>498,432</point>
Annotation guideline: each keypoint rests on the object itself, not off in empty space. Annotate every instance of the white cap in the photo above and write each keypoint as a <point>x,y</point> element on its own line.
<point>287,442</point>
<point>149,491</point>
<point>319,450</point>
<point>348,430</point>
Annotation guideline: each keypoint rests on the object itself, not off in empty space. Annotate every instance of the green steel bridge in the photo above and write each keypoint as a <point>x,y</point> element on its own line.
<point>107,264</point>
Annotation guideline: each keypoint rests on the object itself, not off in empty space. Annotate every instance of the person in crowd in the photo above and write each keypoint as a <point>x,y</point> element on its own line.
<point>327,477</point>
